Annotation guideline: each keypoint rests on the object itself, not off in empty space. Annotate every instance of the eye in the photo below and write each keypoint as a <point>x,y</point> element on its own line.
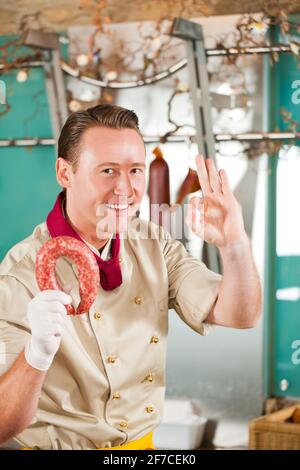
<point>137,171</point>
<point>108,171</point>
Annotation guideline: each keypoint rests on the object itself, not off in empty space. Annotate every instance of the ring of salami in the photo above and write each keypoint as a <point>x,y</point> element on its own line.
<point>88,271</point>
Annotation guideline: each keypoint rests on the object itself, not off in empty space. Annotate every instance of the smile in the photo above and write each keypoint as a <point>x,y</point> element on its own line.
<point>119,207</point>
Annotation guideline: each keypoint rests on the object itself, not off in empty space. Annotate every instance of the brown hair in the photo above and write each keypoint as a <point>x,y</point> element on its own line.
<point>102,115</point>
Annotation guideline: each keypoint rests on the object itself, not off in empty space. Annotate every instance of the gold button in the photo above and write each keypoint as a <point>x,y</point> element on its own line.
<point>148,378</point>
<point>116,396</point>
<point>112,359</point>
<point>97,315</point>
<point>154,339</point>
<point>149,409</point>
<point>138,300</point>
<point>123,425</point>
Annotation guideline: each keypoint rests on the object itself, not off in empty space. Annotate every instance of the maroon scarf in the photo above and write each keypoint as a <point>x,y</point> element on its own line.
<point>110,271</point>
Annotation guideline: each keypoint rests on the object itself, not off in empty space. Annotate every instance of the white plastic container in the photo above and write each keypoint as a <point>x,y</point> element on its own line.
<point>182,427</point>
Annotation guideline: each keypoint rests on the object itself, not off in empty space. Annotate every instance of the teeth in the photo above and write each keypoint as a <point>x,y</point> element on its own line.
<point>117,206</point>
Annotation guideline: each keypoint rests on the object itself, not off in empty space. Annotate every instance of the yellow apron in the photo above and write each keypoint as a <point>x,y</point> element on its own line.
<point>144,443</point>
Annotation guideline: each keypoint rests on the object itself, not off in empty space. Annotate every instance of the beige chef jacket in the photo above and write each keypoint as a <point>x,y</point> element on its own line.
<point>106,385</point>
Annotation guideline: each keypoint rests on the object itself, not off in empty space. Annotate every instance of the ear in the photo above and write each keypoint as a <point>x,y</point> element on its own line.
<point>63,172</point>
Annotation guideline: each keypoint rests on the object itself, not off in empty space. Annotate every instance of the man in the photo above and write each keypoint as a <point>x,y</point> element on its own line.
<point>98,380</point>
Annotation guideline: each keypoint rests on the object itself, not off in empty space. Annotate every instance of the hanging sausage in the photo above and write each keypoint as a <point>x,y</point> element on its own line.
<point>190,185</point>
<point>159,190</point>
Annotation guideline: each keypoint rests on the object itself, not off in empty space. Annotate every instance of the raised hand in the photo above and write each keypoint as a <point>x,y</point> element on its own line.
<point>216,217</point>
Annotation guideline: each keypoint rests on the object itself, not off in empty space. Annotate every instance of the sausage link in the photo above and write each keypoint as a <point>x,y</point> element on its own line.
<point>82,256</point>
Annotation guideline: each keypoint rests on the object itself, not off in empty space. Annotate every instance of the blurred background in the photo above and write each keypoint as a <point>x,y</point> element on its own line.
<point>58,57</point>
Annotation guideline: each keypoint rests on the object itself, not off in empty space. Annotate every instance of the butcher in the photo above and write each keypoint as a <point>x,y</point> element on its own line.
<point>96,380</point>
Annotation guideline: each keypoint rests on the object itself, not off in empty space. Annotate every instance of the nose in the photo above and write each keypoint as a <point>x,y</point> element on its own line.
<point>123,186</point>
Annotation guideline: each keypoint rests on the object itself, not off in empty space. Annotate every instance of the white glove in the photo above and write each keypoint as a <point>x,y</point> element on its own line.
<point>46,315</point>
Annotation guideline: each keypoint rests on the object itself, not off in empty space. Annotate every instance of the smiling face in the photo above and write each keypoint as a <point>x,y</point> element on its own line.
<point>108,185</point>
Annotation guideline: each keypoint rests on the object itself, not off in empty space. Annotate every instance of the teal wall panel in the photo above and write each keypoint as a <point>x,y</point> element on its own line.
<point>287,329</point>
<point>282,317</point>
<point>27,191</point>
<point>28,185</point>
<point>29,113</point>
